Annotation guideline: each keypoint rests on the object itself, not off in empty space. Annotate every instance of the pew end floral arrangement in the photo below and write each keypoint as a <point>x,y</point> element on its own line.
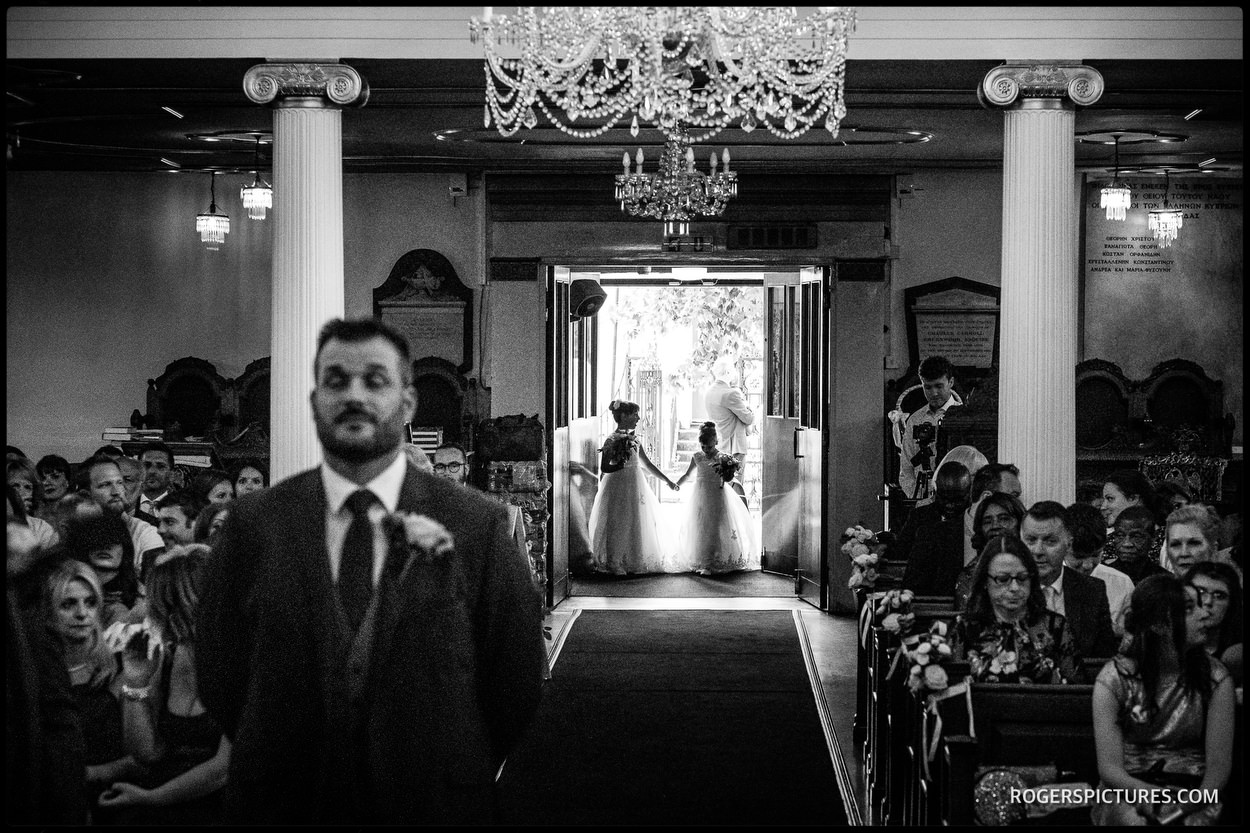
<point>865,549</point>
<point>927,653</point>
<point>894,612</point>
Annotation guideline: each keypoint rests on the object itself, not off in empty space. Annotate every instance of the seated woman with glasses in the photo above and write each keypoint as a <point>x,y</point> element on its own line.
<point>1219,591</point>
<point>1006,634</point>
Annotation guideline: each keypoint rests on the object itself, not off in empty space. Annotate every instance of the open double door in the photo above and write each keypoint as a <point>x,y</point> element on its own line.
<point>792,427</point>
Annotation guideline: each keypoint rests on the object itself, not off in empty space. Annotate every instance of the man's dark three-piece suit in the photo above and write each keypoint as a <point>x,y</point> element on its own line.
<point>406,720</point>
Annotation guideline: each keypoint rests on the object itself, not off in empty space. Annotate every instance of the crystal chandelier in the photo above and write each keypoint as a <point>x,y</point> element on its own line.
<point>1165,222</point>
<point>1116,197</point>
<point>706,68</point>
<point>257,197</point>
<point>213,225</point>
<point>677,191</point>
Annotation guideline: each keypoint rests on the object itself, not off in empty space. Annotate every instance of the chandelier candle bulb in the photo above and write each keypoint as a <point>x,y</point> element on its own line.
<point>725,156</point>
<point>713,162</point>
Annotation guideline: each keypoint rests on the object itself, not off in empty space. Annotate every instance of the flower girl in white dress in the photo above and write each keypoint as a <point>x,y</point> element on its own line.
<point>718,535</point>
<point>625,520</point>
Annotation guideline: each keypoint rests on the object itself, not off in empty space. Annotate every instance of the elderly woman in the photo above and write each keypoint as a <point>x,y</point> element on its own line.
<point>1192,537</point>
<point>1122,489</point>
<point>1219,592</point>
<point>1006,634</point>
<point>166,725</point>
<point>1162,709</point>
<point>75,599</point>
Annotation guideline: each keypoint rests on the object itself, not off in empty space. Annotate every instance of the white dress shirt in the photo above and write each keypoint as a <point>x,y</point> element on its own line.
<point>1119,588</point>
<point>1054,594</point>
<point>385,487</point>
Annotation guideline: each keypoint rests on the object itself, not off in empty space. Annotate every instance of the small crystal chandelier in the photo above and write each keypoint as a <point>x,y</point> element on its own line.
<point>702,67</point>
<point>1165,222</point>
<point>214,225</point>
<point>1116,197</point>
<point>677,190</point>
<point>257,197</point>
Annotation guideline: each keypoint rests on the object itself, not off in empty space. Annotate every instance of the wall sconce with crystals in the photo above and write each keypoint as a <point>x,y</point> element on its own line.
<point>213,225</point>
<point>1116,197</point>
<point>696,66</point>
<point>676,191</point>
<point>1164,223</point>
<point>257,197</point>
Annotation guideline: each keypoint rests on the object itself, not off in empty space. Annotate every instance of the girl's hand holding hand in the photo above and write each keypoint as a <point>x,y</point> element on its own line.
<point>122,794</point>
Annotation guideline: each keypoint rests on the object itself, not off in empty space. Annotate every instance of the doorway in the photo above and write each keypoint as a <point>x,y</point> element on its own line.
<point>653,342</point>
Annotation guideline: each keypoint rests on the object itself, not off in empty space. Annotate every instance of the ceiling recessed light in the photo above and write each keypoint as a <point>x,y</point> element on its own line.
<point>1194,113</point>
<point>171,163</point>
<point>173,112</point>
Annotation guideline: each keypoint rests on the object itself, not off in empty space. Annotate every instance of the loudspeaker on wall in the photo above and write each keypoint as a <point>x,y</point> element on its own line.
<point>586,297</point>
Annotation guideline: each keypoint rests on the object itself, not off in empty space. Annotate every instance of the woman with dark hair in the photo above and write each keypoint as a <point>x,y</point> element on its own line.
<point>1219,592</point>
<point>1006,634</point>
<point>717,535</point>
<point>75,598</point>
<point>213,486</point>
<point>1174,494</point>
<point>54,478</point>
<point>166,725</point>
<point>625,520</point>
<point>1162,708</point>
<point>998,513</point>
<point>249,476</point>
<point>1124,488</point>
<point>104,542</point>
<point>209,521</point>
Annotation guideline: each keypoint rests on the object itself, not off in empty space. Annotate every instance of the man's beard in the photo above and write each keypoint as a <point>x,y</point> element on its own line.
<point>386,438</point>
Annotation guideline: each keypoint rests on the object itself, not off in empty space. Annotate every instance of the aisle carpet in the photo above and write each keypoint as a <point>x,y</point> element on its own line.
<point>687,717</point>
<point>686,585</point>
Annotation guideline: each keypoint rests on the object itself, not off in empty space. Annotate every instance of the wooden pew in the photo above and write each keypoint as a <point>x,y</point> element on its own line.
<point>892,719</point>
<point>922,806</point>
<point>1015,724</point>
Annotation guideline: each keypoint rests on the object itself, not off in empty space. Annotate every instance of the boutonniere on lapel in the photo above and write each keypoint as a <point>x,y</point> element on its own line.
<point>417,538</point>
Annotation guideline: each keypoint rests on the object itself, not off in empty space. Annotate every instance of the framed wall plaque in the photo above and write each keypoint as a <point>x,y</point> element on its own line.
<point>956,318</point>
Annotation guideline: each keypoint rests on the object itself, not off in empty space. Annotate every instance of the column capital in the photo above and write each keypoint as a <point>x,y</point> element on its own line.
<point>1006,85</point>
<point>305,84</point>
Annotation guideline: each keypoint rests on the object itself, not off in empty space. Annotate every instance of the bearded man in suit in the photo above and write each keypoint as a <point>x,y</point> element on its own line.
<point>367,636</point>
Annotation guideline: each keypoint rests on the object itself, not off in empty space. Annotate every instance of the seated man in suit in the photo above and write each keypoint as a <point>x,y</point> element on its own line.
<point>932,539</point>
<point>1082,600</point>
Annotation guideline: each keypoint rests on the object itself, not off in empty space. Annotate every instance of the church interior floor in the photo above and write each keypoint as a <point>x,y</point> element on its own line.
<point>831,649</point>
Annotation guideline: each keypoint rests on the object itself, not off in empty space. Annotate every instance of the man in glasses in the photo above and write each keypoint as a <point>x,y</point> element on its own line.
<point>451,461</point>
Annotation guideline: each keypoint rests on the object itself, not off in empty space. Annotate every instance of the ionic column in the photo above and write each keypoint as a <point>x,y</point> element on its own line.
<point>1038,329</point>
<point>308,238</point>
